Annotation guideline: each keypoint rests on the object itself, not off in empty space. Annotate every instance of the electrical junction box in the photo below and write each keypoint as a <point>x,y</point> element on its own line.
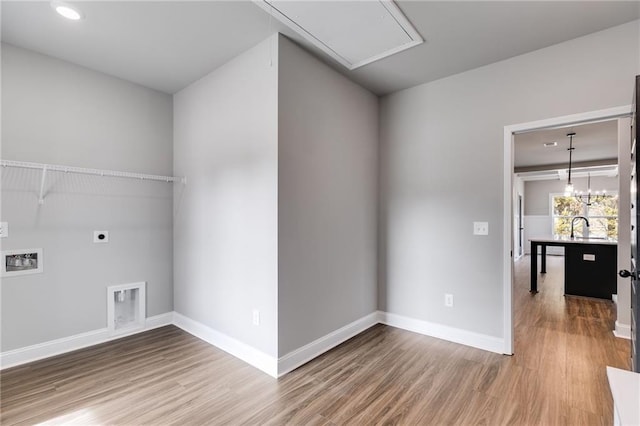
<point>100,236</point>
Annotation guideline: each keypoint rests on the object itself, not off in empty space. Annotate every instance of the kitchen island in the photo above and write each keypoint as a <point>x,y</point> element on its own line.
<point>589,265</point>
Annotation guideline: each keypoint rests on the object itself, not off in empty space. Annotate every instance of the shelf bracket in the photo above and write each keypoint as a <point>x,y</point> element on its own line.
<point>42,181</point>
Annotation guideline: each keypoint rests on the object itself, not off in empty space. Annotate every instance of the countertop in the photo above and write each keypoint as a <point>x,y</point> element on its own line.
<point>579,240</point>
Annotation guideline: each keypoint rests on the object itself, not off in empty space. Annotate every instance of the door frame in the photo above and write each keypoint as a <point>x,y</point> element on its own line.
<point>507,242</point>
<point>520,218</point>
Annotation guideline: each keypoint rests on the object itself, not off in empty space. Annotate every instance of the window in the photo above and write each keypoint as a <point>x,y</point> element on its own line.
<point>602,216</point>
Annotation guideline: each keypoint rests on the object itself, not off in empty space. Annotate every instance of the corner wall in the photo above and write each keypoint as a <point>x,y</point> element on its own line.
<point>60,113</point>
<point>225,223</point>
<point>442,169</point>
<point>327,199</point>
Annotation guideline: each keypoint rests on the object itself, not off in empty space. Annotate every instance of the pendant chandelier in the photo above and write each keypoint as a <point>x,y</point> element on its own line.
<point>587,198</point>
<point>590,198</point>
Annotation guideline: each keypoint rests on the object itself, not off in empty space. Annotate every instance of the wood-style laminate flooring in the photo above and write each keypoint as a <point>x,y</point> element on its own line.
<point>382,376</point>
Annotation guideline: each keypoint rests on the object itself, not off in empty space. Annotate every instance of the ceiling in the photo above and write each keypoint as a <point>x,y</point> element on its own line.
<point>595,145</point>
<point>167,45</point>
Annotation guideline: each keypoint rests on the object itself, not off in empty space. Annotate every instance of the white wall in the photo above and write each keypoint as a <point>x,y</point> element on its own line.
<point>56,112</point>
<point>442,169</point>
<point>327,199</point>
<point>226,226</point>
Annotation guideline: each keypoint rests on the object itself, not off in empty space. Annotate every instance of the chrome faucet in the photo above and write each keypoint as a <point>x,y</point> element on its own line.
<point>573,221</point>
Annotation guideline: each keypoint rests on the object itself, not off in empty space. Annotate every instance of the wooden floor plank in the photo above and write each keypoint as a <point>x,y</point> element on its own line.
<point>384,376</point>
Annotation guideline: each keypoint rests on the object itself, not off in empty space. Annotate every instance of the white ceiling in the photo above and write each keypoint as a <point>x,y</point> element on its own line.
<point>592,142</point>
<point>382,28</point>
<point>167,45</point>
<point>162,45</point>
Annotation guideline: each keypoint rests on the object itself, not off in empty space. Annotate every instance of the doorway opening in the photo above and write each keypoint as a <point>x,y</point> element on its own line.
<point>512,240</point>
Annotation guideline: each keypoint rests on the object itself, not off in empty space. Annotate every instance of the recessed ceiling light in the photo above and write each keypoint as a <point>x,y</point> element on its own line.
<point>66,10</point>
<point>550,144</point>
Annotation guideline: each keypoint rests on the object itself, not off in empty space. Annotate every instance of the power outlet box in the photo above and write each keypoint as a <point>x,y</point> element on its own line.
<point>256,317</point>
<point>100,237</point>
<point>4,229</point>
<point>480,228</point>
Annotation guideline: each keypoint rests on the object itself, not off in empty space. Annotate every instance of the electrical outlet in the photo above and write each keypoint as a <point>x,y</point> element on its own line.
<point>448,300</point>
<point>100,236</point>
<point>256,317</point>
<point>4,229</point>
<point>480,228</point>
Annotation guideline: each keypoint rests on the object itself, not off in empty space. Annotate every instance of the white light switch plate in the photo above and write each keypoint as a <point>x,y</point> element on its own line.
<point>448,300</point>
<point>480,228</point>
<point>4,229</point>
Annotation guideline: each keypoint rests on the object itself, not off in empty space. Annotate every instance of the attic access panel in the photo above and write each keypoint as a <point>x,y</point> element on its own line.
<point>354,33</point>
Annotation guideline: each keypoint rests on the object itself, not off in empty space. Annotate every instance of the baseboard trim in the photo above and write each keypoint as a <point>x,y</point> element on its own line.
<point>275,367</point>
<point>308,352</point>
<point>444,332</point>
<point>622,330</point>
<point>246,353</point>
<point>158,321</point>
<point>63,345</point>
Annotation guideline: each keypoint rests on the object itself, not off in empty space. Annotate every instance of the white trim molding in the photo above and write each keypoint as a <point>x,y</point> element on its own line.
<point>55,347</point>
<point>507,244</point>
<point>622,330</point>
<point>444,332</point>
<point>158,321</point>
<point>246,353</point>
<point>274,367</point>
<point>306,353</point>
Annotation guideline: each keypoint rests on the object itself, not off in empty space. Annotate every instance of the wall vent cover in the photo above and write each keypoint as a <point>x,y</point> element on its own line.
<point>354,33</point>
